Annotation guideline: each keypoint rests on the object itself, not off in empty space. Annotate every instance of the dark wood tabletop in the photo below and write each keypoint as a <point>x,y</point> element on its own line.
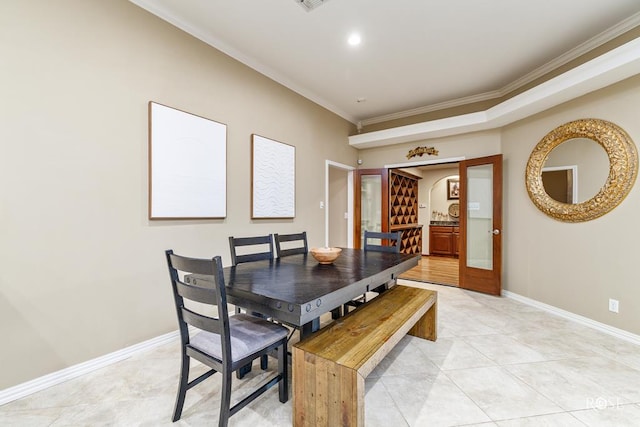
<point>298,290</point>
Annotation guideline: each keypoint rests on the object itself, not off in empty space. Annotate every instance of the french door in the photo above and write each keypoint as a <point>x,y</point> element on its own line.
<point>481,224</point>
<point>372,203</point>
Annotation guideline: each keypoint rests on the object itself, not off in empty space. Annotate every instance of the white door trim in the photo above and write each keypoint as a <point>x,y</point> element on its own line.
<point>350,169</point>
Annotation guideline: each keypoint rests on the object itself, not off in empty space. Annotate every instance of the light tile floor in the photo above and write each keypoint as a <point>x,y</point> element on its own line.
<point>496,362</point>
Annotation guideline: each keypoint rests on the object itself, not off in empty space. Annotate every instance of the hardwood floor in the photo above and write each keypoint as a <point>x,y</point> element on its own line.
<point>435,269</point>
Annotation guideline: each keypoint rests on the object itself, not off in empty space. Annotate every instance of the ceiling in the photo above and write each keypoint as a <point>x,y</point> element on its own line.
<point>415,55</point>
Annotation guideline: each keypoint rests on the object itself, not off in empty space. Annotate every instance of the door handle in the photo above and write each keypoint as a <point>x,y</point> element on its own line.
<point>496,232</point>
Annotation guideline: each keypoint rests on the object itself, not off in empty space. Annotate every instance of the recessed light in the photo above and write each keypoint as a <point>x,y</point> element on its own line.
<point>354,39</point>
<point>359,100</point>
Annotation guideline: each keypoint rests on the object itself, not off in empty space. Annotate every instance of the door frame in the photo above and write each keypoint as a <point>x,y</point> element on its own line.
<point>463,242</point>
<point>350,200</point>
<point>425,162</point>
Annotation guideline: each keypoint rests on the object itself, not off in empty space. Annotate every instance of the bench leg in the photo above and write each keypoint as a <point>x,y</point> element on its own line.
<point>427,327</point>
<point>326,394</point>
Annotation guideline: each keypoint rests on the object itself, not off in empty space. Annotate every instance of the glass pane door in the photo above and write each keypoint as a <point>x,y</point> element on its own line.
<point>372,197</point>
<point>371,204</point>
<point>481,224</point>
<point>480,217</point>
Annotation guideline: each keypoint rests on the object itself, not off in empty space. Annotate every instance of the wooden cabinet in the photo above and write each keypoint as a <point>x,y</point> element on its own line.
<point>455,239</point>
<point>444,240</point>
<point>411,241</point>
<point>403,210</point>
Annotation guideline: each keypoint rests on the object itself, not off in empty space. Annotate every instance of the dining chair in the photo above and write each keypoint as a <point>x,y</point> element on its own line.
<point>292,244</point>
<point>284,244</point>
<point>222,343</point>
<point>262,244</point>
<point>250,249</point>
<point>393,239</point>
<point>256,248</point>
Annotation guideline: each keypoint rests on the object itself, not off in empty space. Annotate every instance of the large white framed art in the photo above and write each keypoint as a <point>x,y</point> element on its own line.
<point>273,174</point>
<point>187,165</point>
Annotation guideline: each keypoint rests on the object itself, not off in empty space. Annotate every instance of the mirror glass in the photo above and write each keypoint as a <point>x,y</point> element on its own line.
<point>575,170</point>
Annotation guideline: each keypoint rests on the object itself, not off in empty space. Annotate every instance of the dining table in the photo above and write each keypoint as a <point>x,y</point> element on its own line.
<point>297,289</point>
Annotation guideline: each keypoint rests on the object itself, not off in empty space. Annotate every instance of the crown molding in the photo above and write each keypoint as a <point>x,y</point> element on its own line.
<point>607,69</point>
<point>586,47</point>
<point>151,7</point>
<point>433,107</point>
<point>591,44</point>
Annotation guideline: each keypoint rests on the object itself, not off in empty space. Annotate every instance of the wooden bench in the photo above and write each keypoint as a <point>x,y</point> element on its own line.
<point>329,367</point>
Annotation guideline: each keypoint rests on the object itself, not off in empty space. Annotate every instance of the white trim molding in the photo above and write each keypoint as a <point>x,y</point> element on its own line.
<point>610,330</point>
<point>591,44</point>
<point>612,67</point>
<point>350,203</point>
<point>21,390</point>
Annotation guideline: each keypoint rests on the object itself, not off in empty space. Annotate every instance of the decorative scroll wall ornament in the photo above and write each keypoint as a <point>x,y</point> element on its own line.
<point>419,151</point>
<point>623,169</point>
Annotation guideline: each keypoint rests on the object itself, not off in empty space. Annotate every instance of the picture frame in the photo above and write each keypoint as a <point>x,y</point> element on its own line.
<point>453,189</point>
<point>273,179</point>
<point>187,165</point>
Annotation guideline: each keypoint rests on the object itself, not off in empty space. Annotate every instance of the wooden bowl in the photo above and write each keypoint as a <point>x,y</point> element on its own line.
<point>325,255</point>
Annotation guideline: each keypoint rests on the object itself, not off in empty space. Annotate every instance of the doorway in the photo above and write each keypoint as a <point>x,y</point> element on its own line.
<point>438,213</point>
<point>479,190</point>
<point>338,204</point>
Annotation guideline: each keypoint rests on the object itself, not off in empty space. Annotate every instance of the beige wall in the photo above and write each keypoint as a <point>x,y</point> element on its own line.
<point>83,271</point>
<point>576,267</point>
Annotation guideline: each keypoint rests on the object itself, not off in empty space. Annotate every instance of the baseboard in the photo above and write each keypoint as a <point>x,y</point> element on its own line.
<point>602,327</point>
<point>38,384</point>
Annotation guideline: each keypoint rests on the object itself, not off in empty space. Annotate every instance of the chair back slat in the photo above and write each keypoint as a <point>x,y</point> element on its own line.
<point>392,238</point>
<point>198,293</point>
<point>258,241</point>
<point>281,251</point>
<point>193,265</point>
<point>201,321</point>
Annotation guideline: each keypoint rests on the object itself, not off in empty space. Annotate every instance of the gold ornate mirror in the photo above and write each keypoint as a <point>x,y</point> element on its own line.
<point>623,169</point>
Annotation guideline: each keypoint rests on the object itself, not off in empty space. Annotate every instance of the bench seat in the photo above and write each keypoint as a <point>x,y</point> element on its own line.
<point>330,366</point>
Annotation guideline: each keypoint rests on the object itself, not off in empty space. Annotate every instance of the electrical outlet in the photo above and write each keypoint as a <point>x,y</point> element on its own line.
<point>614,305</point>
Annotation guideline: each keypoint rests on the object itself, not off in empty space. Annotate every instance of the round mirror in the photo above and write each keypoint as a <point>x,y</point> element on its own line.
<point>586,140</point>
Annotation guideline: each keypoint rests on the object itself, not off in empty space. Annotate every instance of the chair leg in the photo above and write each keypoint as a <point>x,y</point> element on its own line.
<point>225,400</point>
<point>264,362</point>
<point>182,387</point>
<point>243,370</point>
<point>283,367</point>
